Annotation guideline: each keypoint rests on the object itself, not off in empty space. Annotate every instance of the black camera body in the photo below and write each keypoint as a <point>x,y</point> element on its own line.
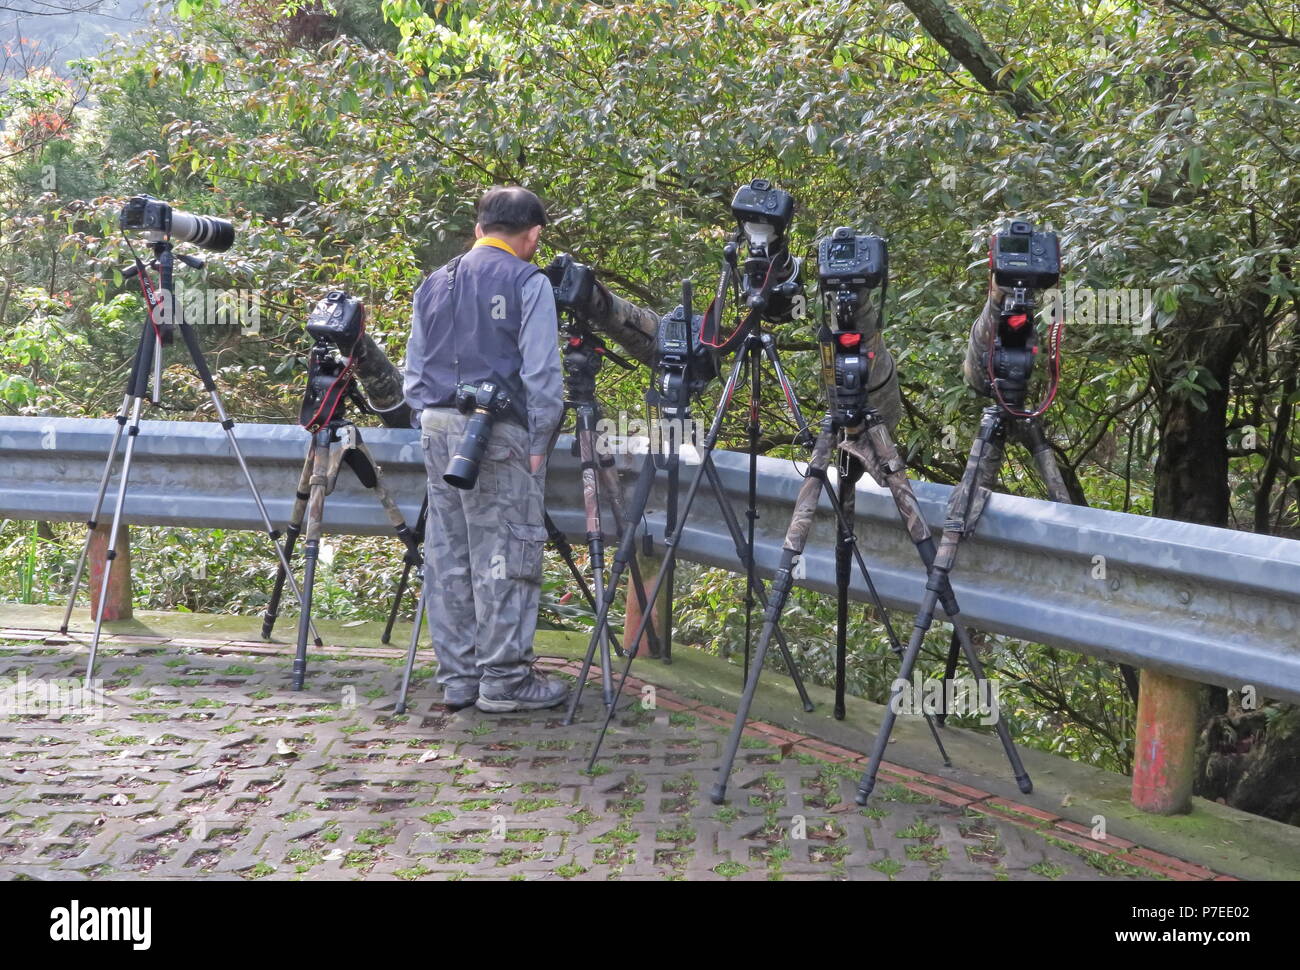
<point>683,365</point>
<point>484,402</point>
<point>487,396</point>
<point>770,276</point>
<point>846,260</point>
<point>761,203</point>
<point>144,213</point>
<point>337,318</point>
<point>1022,258</point>
<point>574,287</point>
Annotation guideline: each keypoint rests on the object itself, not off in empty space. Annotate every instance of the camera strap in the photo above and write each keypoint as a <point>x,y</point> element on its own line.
<point>334,394</point>
<point>710,332</point>
<point>451,296</point>
<point>451,271</point>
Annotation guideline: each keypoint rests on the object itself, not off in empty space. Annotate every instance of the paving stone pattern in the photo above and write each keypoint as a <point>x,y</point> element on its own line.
<point>203,764</point>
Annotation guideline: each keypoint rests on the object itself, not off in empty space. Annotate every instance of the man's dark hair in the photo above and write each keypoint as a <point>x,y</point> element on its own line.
<point>510,209</point>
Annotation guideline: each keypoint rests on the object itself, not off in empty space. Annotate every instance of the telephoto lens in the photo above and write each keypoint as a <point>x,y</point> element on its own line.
<point>144,213</point>
<point>462,470</point>
<point>209,232</point>
<point>482,402</point>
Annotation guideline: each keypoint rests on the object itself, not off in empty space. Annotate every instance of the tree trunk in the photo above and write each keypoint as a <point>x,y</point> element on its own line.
<point>1243,760</point>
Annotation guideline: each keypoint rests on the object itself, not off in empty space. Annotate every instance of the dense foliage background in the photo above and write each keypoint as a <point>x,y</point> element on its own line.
<point>349,140</point>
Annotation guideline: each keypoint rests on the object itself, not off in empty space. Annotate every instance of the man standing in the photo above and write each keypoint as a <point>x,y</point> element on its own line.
<point>488,315</point>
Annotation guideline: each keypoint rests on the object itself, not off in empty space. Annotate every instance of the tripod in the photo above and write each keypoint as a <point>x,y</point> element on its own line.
<point>146,368</point>
<point>864,443</point>
<point>584,355</point>
<point>743,549</point>
<point>335,440</point>
<point>1013,348</point>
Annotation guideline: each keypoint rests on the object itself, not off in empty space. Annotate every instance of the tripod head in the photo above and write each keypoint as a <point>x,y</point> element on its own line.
<point>768,284</point>
<point>683,365</point>
<point>162,301</point>
<point>583,354</point>
<point>1014,349</point>
<point>331,382</point>
<point>769,279</point>
<point>849,267</point>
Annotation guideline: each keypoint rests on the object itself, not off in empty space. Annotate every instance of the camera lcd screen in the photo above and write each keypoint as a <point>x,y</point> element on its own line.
<point>845,249</point>
<point>1014,244</point>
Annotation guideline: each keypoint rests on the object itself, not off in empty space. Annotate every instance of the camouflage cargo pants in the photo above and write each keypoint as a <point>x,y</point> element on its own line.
<point>483,557</point>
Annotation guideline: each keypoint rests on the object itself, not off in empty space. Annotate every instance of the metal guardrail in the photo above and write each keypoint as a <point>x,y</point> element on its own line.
<point>1210,605</point>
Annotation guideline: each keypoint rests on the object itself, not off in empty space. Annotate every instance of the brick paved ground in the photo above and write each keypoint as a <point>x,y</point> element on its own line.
<point>203,765</point>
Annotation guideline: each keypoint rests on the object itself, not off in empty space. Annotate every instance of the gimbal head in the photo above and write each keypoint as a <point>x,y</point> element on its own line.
<point>769,280</point>
<point>583,354</point>
<point>849,266</point>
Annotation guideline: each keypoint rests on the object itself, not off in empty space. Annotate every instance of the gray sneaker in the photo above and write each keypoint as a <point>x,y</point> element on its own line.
<point>535,692</point>
<point>459,699</point>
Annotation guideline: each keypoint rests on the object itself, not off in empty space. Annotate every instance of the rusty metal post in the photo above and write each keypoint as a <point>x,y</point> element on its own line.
<point>1164,764</point>
<point>117,605</point>
<point>649,566</point>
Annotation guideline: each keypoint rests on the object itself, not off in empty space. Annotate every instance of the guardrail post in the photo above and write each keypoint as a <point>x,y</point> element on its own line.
<point>117,605</point>
<point>632,610</point>
<point>1164,764</point>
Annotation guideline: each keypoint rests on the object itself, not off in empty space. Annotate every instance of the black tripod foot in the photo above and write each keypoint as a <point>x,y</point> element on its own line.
<point>1025,784</point>
<point>839,711</point>
<point>718,793</point>
<point>864,792</point>
<point>63,630</point>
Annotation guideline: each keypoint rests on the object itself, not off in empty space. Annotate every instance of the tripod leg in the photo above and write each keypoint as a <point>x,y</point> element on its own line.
<point>751,509</point>
<point>670,542</point>
<point>877,450</point>
<point>556,538</point>
<point>613,488</point>
<point>670,522</point>
<point>923,620</point>
<point>367,470</point>
<point>415,641</point>
<point>228,425</point>
<point>964,508</point>
<point>290,540</point>
<point>999,725</point>
<point>595,540</point>
<point>791,402</point>
<point>850,472</point>
<point>363,463</point>
<point>311,548</point>
<point>845,525</point>
<point>561,544</point>
<point>796,538</point>
<point>738,538</point>
<point>93,522</point>
<point>409,560</point>
<point>626,550</point>
<point>133,432</point>
<point>137,387</point>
